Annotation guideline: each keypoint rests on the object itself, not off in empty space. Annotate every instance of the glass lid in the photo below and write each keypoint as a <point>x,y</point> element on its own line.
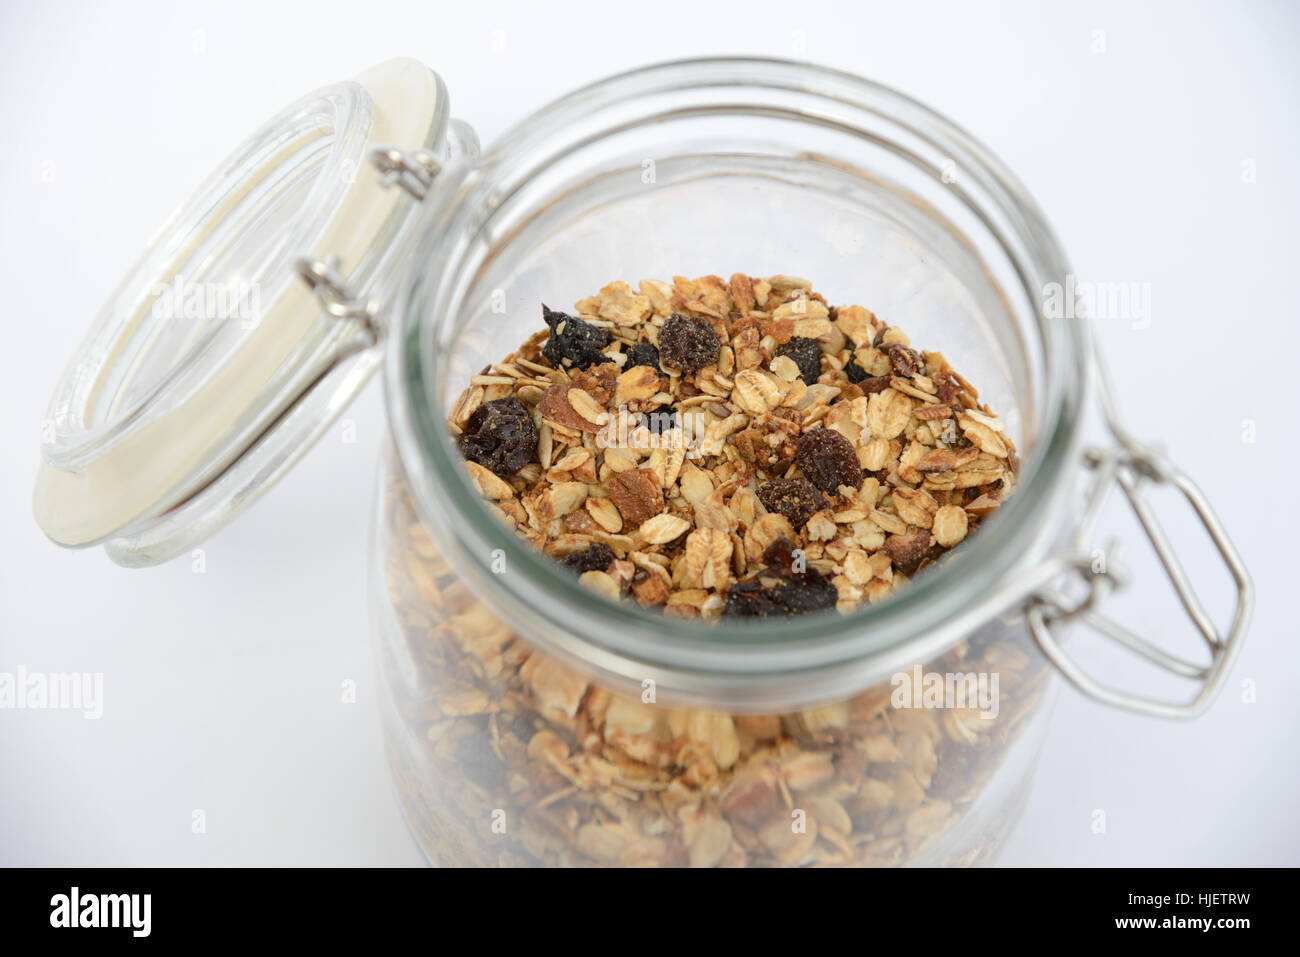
<point>246,327</point>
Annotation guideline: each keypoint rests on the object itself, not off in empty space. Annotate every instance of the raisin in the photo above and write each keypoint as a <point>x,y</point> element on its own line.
<point>781,556</point>
<point>500,435</point>
<point>749,599</point>
<point>572,342</point>
<point>865,380</point>
<point>593,558</point>
<point>688,344</point>
<point>808,592</point>
<point>795,498</point>
<point>661,420</point>
<point>643,354</point>
<point>786,587</point>
<point>807,355</point>
<point>828,460</point>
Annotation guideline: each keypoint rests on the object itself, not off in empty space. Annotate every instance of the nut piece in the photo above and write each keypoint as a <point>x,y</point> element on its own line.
<point>638,495</point>
<point>949,525</point>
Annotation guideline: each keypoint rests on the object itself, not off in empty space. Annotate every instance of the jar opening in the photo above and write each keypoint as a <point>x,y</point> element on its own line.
<point>675,163</point>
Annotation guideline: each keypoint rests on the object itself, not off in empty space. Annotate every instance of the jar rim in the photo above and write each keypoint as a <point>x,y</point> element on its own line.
<point>758,663</point>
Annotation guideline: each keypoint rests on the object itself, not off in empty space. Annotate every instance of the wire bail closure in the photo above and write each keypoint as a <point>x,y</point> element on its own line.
<point>1132,465</point>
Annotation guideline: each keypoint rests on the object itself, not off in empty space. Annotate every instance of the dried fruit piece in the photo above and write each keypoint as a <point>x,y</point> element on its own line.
<point>795,498</point>
<point>643,354</point>
<point>661,420</point>
<point>593,558</point>
<point>807,355</point>
<point>688,344</point>
<point>855,372</point>
<point>573,343</point>
<point>828,460</point>
<point>500,435</point>
<point>787,586</point>
<point>869,384</point>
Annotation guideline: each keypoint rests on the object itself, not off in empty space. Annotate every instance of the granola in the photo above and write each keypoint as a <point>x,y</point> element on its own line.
<point>814,460</point>
<point>506,756</point>
<point>689,426</point>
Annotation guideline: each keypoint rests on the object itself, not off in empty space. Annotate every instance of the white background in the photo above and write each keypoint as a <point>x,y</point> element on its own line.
<point>223,689</point>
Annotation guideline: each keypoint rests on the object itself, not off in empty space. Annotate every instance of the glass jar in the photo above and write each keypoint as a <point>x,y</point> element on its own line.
<point>530,721</point>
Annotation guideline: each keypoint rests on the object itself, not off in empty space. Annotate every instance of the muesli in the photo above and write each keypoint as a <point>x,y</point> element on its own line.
<point>683,446</point>
<point>734,448</point>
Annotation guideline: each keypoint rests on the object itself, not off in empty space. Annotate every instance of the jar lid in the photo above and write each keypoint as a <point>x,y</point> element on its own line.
<point>214,365</point>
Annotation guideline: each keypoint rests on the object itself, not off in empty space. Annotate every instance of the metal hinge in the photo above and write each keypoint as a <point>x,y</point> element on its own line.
<point>412,170</point>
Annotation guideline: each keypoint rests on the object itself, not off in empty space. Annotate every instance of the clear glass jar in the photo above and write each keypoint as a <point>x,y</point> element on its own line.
<point>530,721</point>
<point>519,725</point>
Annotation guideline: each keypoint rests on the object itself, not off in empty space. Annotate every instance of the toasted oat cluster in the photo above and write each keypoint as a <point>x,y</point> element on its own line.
<point>507,755</point>
<point>732,448</point>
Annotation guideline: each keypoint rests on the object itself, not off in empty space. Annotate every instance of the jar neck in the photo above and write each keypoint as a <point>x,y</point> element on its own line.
<point>765,664</point>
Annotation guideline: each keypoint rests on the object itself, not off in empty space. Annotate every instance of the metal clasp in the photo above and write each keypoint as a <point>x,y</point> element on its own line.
<point>1132,466</point>
<point>323,278</point>
<point>412,170</point>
